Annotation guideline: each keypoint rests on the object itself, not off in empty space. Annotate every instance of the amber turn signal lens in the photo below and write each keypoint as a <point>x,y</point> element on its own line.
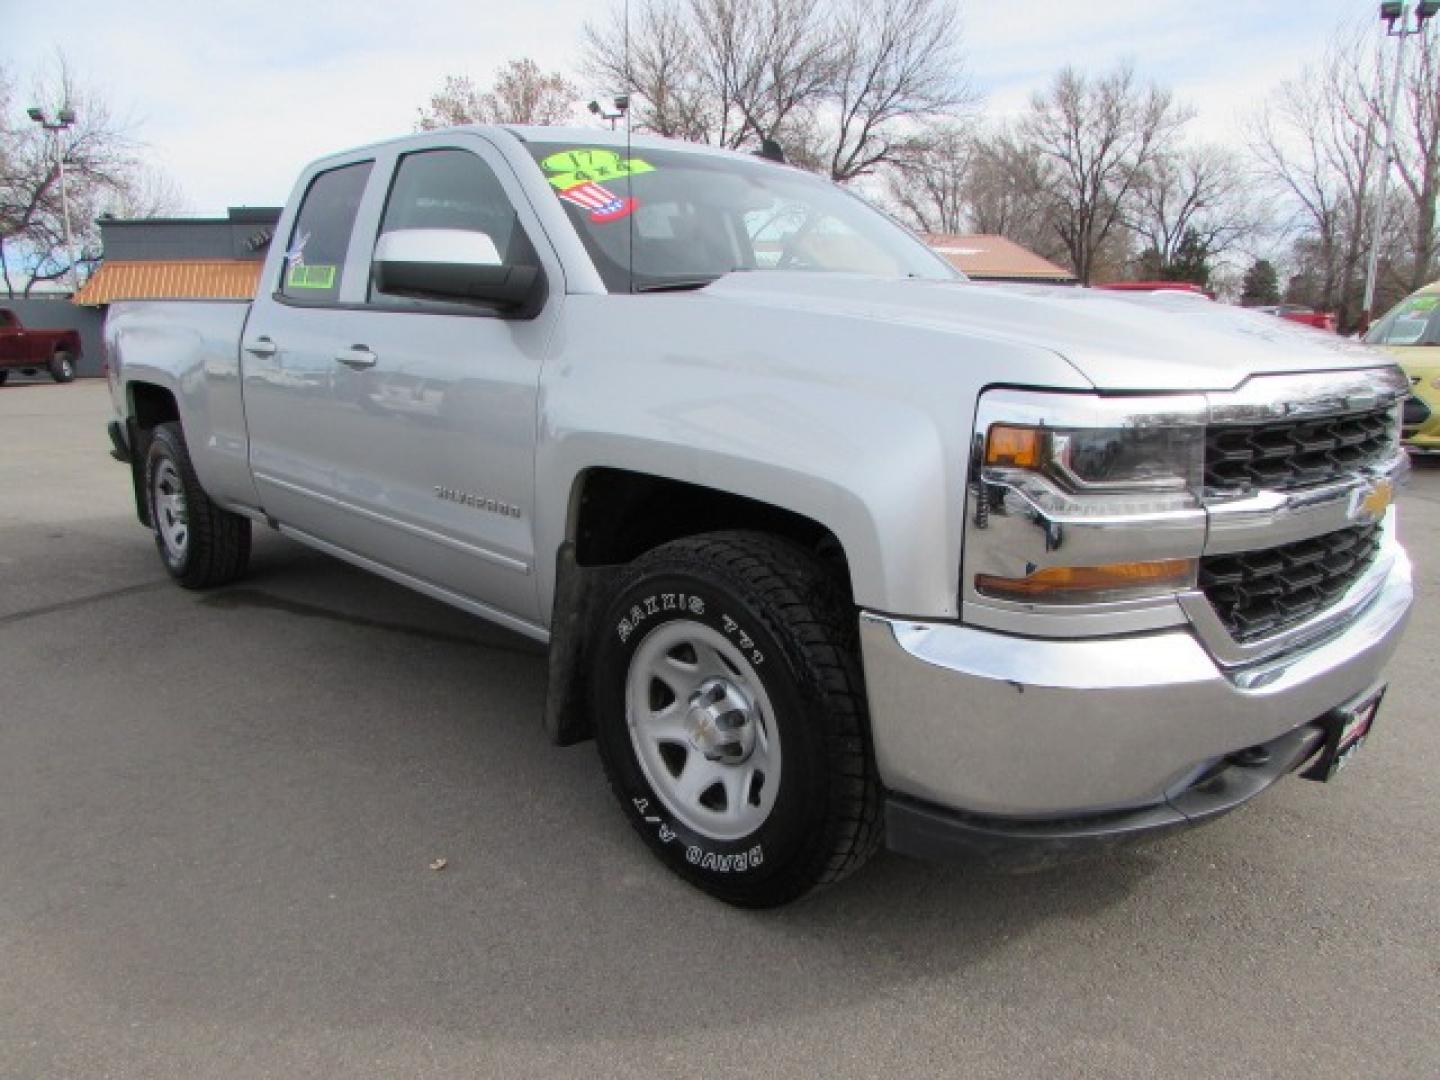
<point>1077,583</point>
<point>1014,447</point>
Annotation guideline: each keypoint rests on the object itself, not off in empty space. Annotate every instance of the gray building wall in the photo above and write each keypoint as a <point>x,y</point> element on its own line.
<point>241,235</point>
<point>59,314</point>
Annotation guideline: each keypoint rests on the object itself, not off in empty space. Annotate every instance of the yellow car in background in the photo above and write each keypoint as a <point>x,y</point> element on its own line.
<point>1411,330</point>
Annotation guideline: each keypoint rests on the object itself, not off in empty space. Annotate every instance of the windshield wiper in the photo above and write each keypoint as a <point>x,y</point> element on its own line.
<point>678,285</point>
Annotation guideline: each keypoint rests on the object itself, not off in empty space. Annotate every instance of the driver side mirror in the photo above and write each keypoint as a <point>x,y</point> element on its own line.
<point>455,265</point>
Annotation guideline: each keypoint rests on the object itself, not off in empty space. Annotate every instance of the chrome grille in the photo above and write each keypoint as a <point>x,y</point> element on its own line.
<point>1296,453</point>
<point>1258,593</point>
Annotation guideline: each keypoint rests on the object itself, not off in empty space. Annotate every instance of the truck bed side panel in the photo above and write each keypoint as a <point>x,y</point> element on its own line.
<point>192,349</point>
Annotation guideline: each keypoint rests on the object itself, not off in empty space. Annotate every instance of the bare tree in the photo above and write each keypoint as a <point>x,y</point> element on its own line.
<point>658,64</point>
<point>1411,254</point>
<point>1005,194</point>
<point>1318,141</point>
<point>771,59</point>
<point>843,85</point>
<point>896,62</point>
<point>1094,138</point>
<point>729,72</point>
<point>929,183</point>
<point>102,167</point>
<point>1195,198</point>
<point>521,94</point>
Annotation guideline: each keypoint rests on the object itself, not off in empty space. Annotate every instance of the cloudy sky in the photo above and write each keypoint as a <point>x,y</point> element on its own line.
<point>233,97</point>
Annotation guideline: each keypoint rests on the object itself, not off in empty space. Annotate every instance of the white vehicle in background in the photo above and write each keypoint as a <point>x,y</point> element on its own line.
<point>831,547</point>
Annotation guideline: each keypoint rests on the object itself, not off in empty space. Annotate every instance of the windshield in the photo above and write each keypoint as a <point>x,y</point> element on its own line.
<point>693,217</point>
<point>1413,321</point>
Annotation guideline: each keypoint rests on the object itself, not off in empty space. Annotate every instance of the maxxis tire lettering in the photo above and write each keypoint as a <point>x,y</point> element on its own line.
<point>725,863</point>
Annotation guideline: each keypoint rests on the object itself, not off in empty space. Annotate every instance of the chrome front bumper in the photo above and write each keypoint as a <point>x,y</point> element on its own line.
<point>991,724</point>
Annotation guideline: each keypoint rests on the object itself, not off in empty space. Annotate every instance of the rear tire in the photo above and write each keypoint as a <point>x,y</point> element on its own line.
<point>62,367</point>
<point>730,717</point>
<point>4,376</point>
<point>200,544</point>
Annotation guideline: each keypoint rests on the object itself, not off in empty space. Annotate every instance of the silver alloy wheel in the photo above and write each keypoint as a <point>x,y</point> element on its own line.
<point>167,500</point>
<point>67,368</point>
<point>703,730</point>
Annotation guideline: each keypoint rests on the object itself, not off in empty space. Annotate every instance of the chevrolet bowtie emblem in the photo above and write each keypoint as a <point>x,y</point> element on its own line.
<point>1371,505</point>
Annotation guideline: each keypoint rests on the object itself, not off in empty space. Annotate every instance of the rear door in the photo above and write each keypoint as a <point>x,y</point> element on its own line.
<point>288,352</point>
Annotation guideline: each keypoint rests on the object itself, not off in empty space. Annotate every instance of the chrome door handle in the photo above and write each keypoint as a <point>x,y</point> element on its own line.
<point>357,356</point>
<point>262,347</point>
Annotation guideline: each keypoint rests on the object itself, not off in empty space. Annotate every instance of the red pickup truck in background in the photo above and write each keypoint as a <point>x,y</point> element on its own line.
<point>56,351</point>
<point>1320,320</point>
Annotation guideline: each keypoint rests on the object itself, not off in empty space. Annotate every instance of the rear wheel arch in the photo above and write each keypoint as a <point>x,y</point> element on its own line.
<point>147,406</point>
<point>151,404</point>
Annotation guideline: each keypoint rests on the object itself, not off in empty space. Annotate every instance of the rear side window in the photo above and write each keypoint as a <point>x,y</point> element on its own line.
<point>315,259</point>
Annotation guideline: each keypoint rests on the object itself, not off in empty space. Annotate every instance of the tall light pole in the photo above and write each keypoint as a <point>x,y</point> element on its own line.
<point>64,119</point>
<point>1398,24</point>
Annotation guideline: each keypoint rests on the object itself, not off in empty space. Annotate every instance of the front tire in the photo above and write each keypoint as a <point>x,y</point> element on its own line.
<point>62,367</point>
<point>200,544</point>
<point>730,717</point>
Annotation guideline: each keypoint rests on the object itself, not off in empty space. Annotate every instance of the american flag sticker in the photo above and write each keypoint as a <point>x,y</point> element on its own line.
<point>603,204</point>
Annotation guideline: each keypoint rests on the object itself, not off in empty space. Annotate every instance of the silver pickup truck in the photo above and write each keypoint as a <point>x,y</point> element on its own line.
<point>831,547</point>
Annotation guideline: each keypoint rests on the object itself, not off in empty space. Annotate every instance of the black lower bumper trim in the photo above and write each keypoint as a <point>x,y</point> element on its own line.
<point>918,829</point>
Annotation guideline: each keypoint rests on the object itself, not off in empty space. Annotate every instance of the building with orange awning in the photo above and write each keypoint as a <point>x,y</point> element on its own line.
<point>181,258</point>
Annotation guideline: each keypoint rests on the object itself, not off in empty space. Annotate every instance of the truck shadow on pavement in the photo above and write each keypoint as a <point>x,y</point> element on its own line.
<point>266,857</point>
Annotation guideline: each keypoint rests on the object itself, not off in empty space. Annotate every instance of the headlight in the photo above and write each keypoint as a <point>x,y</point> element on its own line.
<point>1101,459</point>
<point>1085,500</point>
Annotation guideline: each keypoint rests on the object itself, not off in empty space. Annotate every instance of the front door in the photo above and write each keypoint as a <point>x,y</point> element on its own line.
<point>430,419</point>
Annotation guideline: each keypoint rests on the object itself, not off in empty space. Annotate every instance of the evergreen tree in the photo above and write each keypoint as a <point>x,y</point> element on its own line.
<point>1262,285</point>
<point>1191,262</point>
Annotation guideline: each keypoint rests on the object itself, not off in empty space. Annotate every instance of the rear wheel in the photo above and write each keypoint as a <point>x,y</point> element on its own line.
<point>730,717</point>
<point>4,375</point>
<point>200,544</point>
<point>62,367</point>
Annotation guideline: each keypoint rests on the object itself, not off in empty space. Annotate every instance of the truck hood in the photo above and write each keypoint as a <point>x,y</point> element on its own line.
<point>1118,341</point>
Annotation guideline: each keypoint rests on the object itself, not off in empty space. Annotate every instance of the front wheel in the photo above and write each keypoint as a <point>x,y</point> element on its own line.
<point>62,367</point>
<point>200,544</point>
<point>730,717</point>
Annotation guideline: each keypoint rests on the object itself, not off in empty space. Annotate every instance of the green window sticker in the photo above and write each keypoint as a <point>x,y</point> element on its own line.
<point>304,276</point>
<point>571,167</point>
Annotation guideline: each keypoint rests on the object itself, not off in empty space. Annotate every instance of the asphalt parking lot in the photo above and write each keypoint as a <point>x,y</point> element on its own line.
<point>218,813</point>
